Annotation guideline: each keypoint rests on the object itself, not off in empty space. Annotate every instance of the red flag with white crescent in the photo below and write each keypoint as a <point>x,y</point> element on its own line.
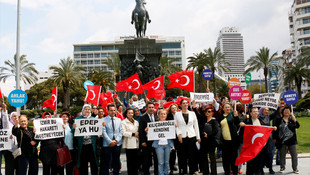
<point>254,140</point>
<point>93,94</point>
<point>155,88</point>
<point>132,84</point>
<point>52,102</point>
<point>184,80</point>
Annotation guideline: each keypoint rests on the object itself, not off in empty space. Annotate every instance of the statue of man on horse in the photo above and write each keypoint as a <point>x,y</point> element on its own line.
<point>140,17</point>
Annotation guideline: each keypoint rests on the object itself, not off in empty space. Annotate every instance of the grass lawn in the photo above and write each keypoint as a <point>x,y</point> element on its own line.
<point>303,135</point>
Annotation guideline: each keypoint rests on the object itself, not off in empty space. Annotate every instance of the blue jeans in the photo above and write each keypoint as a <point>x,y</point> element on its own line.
<point>163,155</point>
<point>23,163</point>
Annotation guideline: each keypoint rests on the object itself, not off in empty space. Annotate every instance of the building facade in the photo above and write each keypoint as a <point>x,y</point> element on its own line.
<point>299,28</point>
<point>230,42</point>
<point>91,55</point>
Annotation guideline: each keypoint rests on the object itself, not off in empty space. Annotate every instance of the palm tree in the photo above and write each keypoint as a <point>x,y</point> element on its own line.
<point>114,63</point>
<point>297,73</point>
<point>28,72</point>
<point>167,66</point>
<point>103,78</point>
<point>216,63</point>
<point>199,62</point>
<point>262,60</point>
<point>68,74</point>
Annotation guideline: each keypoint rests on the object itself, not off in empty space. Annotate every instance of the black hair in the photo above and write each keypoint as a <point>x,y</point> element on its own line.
<point>128,109</point>
<point>110,105</point>
<point>149,103</point>
<point>182,101</point>
<point>286,107</point>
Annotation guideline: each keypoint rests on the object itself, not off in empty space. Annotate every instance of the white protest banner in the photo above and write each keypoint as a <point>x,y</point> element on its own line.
<point>48,128</point>
<point>202,97</point>
<point>140,103</point>
<point>5,141</point>
<point>161,130</point>
<point>88,127</point>
<point>269,100</point>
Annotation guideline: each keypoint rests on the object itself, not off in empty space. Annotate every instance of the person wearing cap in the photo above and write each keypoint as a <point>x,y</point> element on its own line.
<point>48,152</point>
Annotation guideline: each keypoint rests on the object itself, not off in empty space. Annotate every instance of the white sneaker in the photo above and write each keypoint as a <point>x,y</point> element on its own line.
<point>282,170</point>
<point>296,171</point>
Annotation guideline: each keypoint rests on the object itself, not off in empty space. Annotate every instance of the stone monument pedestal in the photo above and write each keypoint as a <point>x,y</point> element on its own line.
<point>142,56</point>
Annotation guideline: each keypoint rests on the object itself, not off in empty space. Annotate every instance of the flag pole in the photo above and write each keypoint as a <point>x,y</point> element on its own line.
<point>99,97</point>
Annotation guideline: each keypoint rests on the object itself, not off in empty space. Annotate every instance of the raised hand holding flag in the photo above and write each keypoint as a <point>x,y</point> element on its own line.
<point>184,80</point>
<point>52,102</point>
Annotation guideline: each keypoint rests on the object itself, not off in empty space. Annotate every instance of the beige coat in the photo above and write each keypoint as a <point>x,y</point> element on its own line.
<point>129,141</point>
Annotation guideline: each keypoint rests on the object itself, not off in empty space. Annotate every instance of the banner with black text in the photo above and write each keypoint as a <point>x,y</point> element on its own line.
<point>5,141</point>
<point>48,128</point>
<point>161,130</point>
<point>269,100</point>
<point>88,127</point>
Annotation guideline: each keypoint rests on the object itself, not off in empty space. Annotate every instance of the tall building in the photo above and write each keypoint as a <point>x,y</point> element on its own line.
<point>230,42</point>
<point>91,55</point>
<point>299,25</point>
<point>273,82</point>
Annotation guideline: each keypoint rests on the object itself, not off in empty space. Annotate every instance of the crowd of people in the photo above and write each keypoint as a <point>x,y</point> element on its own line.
<point>203,133</point>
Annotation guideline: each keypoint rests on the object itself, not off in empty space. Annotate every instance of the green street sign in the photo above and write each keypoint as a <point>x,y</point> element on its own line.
<point>248,77</point>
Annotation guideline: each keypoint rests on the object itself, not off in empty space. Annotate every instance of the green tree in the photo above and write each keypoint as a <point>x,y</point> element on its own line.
<point>114,63</point>
<point>297,72</point>
<point>304,103</point>
<point>102,78</point>
<point>28,72</point>
<point>198,62</point>
<point>167,66</point>
<point>66,75</point>
<point>262,60</point>
<point>256,89</point>
<point>217,63</point>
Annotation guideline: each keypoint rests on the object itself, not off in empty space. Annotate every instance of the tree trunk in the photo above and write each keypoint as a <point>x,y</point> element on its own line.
<point>266,81</point>
<point>214,85</point>
<point>200,81</point>
<point>298,81</point>
<point>66,96</point>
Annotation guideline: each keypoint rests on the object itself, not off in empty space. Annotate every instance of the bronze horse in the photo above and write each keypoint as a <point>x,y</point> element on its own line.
<point>140,17</point>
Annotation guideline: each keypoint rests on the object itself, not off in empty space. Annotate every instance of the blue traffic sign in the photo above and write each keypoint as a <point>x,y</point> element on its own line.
<point>18,98</point>
<point>207,74</point>
<point>87,83</point>
<point>290,97</point>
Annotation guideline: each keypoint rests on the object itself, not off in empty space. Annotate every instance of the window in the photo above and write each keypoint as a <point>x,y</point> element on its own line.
<point>165,53</point>
<point>178,52</point>
<point>77,62</point>
<point>171,53</point>
<point>90,62</point>
<point>306,31</point>
<point>87,48</point>
<point>83,56</point>
<point>306,21</point>
<point>83,62</point>
<point>171,45</point>
<point>97,55</point>
<point>306,10</point>
<point>90,55</point>
<point>307,41</point>
<point>77,56</point>
<point>97,61</point>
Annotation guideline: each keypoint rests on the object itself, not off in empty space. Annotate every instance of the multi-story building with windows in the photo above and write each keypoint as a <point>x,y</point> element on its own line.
<point>230,42</point>
<point>299,25</point>
<point>91,55</point>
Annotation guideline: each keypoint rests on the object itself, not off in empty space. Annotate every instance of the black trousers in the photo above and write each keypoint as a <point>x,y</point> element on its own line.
<point>69,166</point>
<point>186,154</point>
<point>205,152</point>
<point>253,166</point>
<point>11,164</point>
<point>87,155</point>
<point>132,162</point>
<point>229,155</point>
<point>52,169</point>
<point>147,154</point>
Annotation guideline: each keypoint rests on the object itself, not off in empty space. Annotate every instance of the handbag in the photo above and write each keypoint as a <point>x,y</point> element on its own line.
<point>18,151</point>
<point>285,133</point>
<point>63,155</point>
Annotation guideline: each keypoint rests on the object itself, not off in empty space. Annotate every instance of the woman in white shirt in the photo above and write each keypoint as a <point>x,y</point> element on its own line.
<point>131,141</point>
<point>188,133</point>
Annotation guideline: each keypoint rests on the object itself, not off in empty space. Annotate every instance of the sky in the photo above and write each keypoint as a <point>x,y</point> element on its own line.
<point>50,28</point>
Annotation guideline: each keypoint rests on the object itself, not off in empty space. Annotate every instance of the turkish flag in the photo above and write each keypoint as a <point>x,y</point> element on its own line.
<point>167,104</point>
<point>155,88</point>
<point>1,96</point>
<point>132,84</point>
<point>52,102</point>
<point>93,94</point>
<point>110,96</point>
<point>254,140</point>
<point>183,80</point>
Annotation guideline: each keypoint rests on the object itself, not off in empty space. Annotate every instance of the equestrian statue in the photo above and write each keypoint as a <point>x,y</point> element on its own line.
<point>140,17</point>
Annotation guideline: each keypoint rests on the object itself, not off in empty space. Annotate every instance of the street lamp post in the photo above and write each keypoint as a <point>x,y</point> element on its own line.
<point>17,64</point>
